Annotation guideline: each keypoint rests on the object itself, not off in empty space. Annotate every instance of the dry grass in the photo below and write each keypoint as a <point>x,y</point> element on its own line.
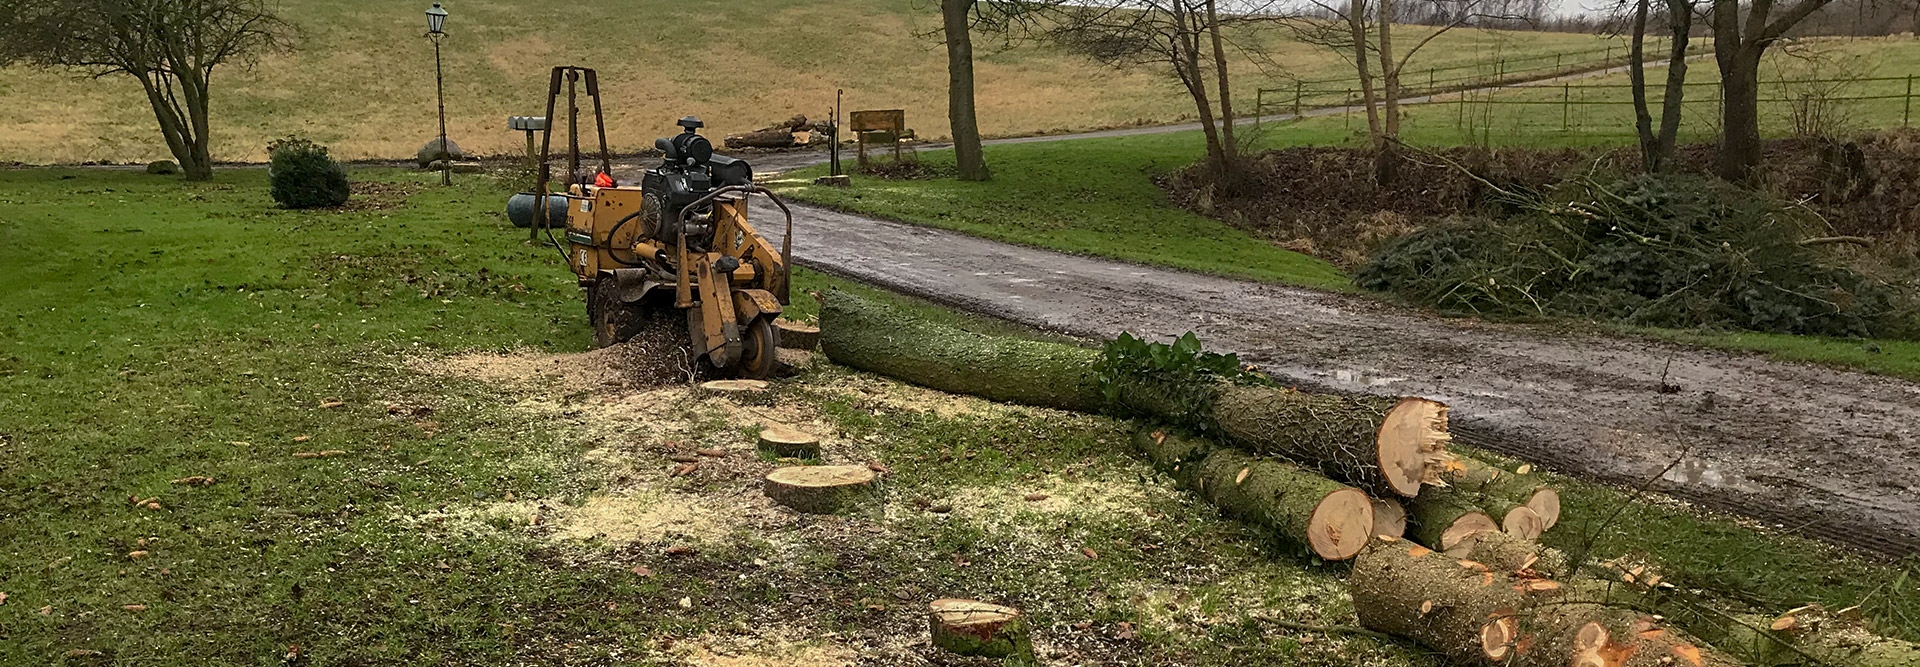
<point>362,81</point>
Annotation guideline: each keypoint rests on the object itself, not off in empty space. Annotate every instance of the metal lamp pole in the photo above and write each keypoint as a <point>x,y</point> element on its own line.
<point>436,20</point>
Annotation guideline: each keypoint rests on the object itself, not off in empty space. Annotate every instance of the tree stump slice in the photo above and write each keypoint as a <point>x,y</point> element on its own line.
<point>979,629</point>
<point>1389,518</point>
<point>819,489</point>
<point>790,442</point>
<point>744,391</point>
<point>797,335</point>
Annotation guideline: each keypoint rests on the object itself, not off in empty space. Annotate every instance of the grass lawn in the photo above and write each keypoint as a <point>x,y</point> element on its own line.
<point>738,65</point>
<point>479,504</point>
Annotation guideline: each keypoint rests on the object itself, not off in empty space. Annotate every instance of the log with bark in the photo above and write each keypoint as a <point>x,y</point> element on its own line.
<point>1444,519</point>
<point>873,336</point>
<point>1330,519</point>
<point>774,138</point>
<point>789,442</point>
<point>1501,491</point>
<point>1813,633</point>
<point>1476,614</point>
<point>1386,446</point>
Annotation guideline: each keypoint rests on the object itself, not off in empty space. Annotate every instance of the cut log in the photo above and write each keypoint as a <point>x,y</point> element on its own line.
<point>978,629</point>
<point>1833,637</point>
<point>820,489</point>
<point>790,442</point>
<point>1388,447</point>
<point>1476,614</point>
<point>774,138</point>
<point>1506,553</point>
<point>797,335</point>
<point>1330,519</point>
<point>872,336</point>
<point>1444,519</point>
<point>1500,491</point>
<point>1389,518</point>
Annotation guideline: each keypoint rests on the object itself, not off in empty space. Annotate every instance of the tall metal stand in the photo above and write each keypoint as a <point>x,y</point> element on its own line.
<point>440,91</point>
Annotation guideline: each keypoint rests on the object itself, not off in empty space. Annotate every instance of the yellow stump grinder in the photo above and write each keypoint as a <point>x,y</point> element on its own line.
<point>678,246</point>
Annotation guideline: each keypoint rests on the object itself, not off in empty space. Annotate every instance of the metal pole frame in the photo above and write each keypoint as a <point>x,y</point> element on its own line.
<point>440,92</point>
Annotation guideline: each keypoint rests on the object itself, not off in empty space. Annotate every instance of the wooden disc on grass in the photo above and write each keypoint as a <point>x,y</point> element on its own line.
<point>1389,518</point>
<point>783,441</point>
<point>979,629</point>
<point>819,489</point>
<point>1412,438</point>
<point>1341,524</point>
<point>797,335</point>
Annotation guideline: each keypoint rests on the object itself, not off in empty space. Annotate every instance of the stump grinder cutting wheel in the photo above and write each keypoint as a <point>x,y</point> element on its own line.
<point>680,241</point>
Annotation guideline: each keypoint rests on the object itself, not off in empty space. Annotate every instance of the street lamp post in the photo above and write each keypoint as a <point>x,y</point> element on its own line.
<point>436,21</point>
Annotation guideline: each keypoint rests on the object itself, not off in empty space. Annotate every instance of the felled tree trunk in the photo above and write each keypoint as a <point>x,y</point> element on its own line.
<point>1388,447</point>
<point>1389,518</point>
<point>871,336</point>
<point>789,442</point>
<point>1833,637</point>
<point>1446,520</point>
<point>774,138</point>
<point>1500,491</point>
<point>1476,614</point>
<point>979,629</point>
<point>1330,519</point>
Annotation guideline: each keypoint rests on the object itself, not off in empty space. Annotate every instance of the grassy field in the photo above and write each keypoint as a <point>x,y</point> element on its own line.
<point>482,505</point>
<point>362,80</point>
<point>1598,110</point>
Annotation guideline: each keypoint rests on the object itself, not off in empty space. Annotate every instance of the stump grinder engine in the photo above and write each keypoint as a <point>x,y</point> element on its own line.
<point>678,243</point>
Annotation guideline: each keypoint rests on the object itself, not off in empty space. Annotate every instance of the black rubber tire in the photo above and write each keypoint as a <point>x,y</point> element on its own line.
<point>757,351</point>
<point>613,321</point>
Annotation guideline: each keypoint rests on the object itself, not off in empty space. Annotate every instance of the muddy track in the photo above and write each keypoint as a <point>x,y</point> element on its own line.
<point>1827,453</point>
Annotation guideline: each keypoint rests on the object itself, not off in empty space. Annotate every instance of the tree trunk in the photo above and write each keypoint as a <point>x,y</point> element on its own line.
<point>1331,520</point>
<point>1506,553</point>
<point>1229,147</point>
<point>1186,43</point>
<point>1637,82</point>
<point>1387,447</point>
<point>1680,17</point>
<point>173,128</point>
<point>1502,492</point>
<point>1476,614</point>
<point>961,115</point>
<point>1446,520</point>
<point>1386,161</point>
<point>194,89</point>
<point>868,335</point>
<point>1357,23</point>
<point>1833,638</point>
<point>1740,116</point>
<point>1389,518</point>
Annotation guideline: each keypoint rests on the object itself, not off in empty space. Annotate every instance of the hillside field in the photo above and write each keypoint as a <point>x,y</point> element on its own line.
<point>362,79</point>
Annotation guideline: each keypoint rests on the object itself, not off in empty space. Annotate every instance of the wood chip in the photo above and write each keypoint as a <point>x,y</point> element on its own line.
<point>137,555</point>
<point>302,438</point>
<point>679,550</point>
<point>1036,497</point>
<point>642,570</point>
<point>714,452</point>
<point>1426,607</point>
<point>306,455</point>
<point>1523,469</point>
<point>1787,622</point>
<point>1242,477</point>
<point>153,505</point>
<point>195,480</point>
<point>876,466</point>
<point>134,607</point>
<point>683,469</point>
<point>1089,553</point>
<point>683,458</point>
<point>331,404</point>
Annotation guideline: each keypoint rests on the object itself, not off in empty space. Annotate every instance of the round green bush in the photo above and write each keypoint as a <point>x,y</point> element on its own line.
<point>302,175</point>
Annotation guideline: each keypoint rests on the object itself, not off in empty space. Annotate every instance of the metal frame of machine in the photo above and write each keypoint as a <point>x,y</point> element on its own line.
<point>680,240</point>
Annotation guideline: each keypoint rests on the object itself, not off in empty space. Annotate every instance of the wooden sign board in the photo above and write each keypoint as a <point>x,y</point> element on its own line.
<point>881,120</point>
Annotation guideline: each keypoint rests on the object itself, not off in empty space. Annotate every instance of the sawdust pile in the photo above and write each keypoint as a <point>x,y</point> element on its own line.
<point>641,363</point>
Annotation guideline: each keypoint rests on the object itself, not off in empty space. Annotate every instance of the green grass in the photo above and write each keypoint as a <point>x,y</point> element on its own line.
<point>738,65</point>
<point>1092,196</point>
<point>151,331</point>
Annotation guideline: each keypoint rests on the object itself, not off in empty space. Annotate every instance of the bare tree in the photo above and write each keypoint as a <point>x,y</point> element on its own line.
<point>1738,46</point>
<point>1361,31</point>
<point>1656,147</point>
<point>1186,36</point>
<point>171,46</point>
<point>956,17</point>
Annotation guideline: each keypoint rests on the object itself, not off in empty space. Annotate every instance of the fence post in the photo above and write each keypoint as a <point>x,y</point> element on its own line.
<point>1906,115</point>
<point>1566,107</point>
<point>1259,108</point>
<point>1298,91</point>
<point>1347,116</point>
